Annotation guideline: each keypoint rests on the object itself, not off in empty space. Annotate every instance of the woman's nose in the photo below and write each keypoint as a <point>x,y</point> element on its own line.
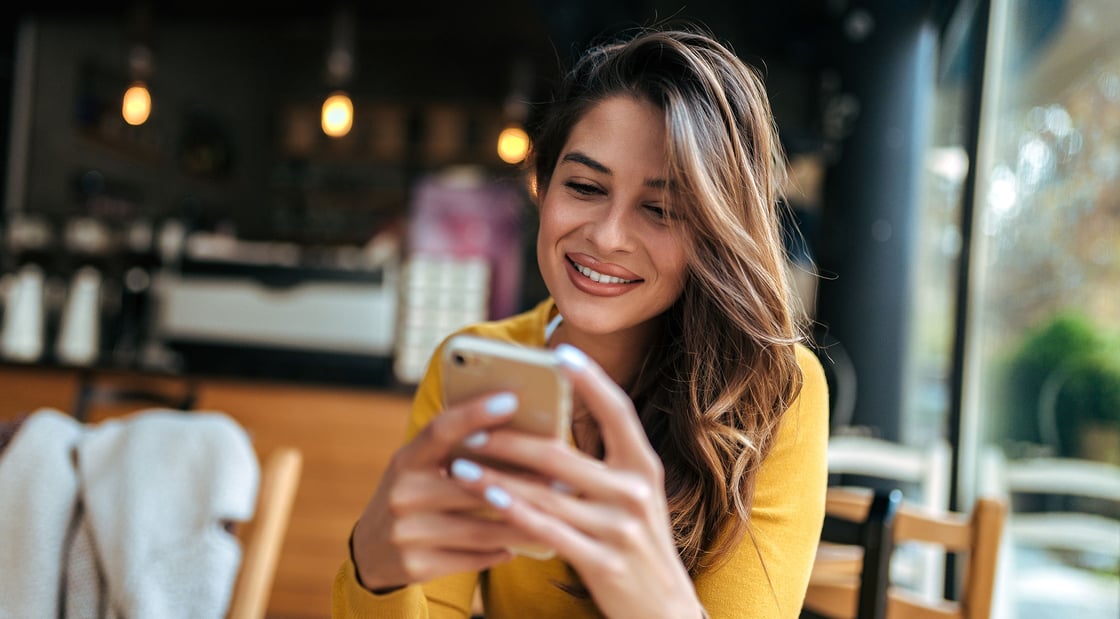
<point>610,230</point>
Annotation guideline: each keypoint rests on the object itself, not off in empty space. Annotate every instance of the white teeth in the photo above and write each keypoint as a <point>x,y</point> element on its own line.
<point>599,277</point>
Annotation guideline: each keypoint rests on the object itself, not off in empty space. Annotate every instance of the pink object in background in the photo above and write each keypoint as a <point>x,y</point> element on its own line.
<point>461,214</point>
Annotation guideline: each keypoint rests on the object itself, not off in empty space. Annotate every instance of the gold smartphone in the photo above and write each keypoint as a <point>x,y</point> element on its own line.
<point>474,365</point>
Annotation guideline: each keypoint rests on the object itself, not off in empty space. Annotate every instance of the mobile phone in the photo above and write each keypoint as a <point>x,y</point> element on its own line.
<point>472,366</point>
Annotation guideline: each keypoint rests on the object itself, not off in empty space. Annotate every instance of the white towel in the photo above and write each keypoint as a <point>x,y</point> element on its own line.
<point>38,489</point>
<point>181,475</point>
<point>156,489</point>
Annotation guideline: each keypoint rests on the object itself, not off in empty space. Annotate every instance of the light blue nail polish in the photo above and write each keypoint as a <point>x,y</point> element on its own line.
<point>498,498</point>
<point>501,404</point>
<point>466,470</point>
<point>478,439</point>
<point>571,356</point>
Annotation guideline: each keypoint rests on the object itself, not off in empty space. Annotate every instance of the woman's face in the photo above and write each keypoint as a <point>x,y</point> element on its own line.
<point>605,248</point>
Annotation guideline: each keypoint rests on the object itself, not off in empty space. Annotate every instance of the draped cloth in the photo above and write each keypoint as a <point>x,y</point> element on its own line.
<point>124,519</point>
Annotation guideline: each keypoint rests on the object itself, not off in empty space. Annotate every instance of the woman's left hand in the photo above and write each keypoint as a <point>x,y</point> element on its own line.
<point>611,522</point>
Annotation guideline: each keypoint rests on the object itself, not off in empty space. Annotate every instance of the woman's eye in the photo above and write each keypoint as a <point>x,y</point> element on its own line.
<point>656,211</point>
<point>583,189</point>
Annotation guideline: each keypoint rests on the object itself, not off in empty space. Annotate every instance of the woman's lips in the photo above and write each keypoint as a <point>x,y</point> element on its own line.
<point>597,282</point>
<point>593,268</point>
<point>603,278</point>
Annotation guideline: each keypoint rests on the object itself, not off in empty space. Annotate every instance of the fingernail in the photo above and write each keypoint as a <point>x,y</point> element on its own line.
<point>498,498</point>
<point>466,470</point>
<point>571,356</point>
<point>478,439</point>
<point>501,404</point>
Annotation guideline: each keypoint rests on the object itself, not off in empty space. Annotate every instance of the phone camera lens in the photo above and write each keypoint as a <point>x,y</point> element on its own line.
<point>459,359</point>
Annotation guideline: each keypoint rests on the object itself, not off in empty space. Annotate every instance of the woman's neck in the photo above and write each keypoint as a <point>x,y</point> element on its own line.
<point>619,354</point>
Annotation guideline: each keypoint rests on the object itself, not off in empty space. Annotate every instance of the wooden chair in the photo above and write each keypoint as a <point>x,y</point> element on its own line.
<point>1059,526</point>
<point>834,586</point>
<point>116,477</point>
<point>922,473</point>
<point>872,540</point>
<point>263,536</point>
<point>105,395</point>
<point>1063,527</point>
<point>102,396</point>
<point>925,466</point>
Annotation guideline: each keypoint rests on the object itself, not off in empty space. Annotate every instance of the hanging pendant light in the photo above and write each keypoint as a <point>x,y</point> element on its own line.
<point>513,141</point>
<point>337,116</point>
<point>136,104</point>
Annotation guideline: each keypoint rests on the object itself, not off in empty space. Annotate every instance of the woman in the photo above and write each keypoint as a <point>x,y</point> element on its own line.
<point>694,482</point>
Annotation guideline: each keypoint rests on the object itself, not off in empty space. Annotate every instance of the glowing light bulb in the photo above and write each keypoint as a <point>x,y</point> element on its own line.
<point>136,105</point>
<point>338,115</point>
<point>513,144</point>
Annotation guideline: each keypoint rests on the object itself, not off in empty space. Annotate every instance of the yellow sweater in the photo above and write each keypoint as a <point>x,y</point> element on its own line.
<point>766,576</point>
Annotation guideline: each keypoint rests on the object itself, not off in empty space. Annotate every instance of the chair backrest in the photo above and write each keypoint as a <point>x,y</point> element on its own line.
<point>975,536</point>
<point>1063,526</point>
<point>1059,525</point>
<point>926,466</point>
<point>925,470</point>
<point>851,546</point>
<point>104,394</point>
<point>263,536</point>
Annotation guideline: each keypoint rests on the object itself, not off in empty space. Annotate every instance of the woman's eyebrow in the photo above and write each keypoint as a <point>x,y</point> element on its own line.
<point>578,157</point>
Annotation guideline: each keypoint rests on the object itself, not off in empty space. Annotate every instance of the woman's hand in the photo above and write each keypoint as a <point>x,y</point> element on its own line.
<point>611,522</point>
<point>418,525</point>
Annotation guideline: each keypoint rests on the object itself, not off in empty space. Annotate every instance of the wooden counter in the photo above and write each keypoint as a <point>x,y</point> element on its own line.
<point>347,437</point>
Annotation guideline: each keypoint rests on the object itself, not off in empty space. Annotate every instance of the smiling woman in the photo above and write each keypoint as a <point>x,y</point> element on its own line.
<point>695,406</point>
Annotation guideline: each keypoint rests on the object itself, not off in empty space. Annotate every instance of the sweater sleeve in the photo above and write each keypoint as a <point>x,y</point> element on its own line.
<point>767,575</point>
<point>445,598</point>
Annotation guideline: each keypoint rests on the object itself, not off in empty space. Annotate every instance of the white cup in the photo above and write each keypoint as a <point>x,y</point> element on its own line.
<point>21,338</point>
<point>79,336</point>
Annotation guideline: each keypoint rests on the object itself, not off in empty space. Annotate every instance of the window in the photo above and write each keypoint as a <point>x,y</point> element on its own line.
<point>1042,357</point>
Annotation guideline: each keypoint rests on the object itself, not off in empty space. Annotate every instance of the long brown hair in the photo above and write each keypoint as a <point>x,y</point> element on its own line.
<point>716,385</point>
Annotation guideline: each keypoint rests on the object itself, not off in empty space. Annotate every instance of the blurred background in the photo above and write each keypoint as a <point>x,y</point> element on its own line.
<point>313,194</point>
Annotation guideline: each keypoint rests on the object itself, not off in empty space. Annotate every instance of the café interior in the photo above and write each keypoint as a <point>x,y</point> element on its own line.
<point>276,212</point>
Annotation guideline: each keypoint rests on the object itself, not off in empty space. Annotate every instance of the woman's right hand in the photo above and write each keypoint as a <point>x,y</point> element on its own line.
<point>419,523</point>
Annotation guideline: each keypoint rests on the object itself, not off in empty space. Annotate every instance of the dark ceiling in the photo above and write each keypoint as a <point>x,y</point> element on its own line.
<point>471,42</point>
<point>789,31</point>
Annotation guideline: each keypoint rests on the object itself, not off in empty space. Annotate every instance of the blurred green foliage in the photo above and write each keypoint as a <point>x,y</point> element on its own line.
<point>1063,374</point>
